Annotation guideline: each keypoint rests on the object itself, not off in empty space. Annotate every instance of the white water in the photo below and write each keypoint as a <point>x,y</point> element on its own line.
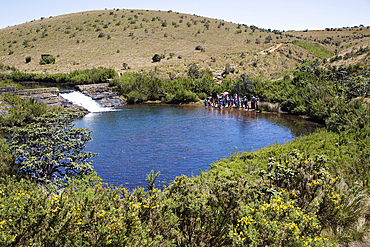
<point>80,99</point>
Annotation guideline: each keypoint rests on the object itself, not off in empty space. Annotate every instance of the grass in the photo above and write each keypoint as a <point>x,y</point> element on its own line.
<point>315,49</point>
<point>139,34</point>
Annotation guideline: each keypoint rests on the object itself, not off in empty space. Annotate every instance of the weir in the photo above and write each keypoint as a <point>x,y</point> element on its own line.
<point>80,99</point>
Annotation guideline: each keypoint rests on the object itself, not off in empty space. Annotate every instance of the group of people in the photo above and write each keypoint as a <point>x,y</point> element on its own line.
<point>224,100</point>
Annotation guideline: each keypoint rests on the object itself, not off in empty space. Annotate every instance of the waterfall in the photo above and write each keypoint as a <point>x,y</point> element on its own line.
<point>80,99</point>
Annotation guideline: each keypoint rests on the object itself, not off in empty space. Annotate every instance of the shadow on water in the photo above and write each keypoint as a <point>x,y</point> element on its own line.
<point>178,139</point>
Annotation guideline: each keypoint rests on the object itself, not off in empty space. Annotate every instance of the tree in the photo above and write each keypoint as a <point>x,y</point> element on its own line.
<point>268,39</point>
<point>156,58</point>
<point>244,86</point>
<point>227,70</point>
<point>193,71</point>
<point>50,150</point>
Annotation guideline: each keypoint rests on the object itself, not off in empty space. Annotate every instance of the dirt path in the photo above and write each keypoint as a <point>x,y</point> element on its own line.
<point>271,48</point>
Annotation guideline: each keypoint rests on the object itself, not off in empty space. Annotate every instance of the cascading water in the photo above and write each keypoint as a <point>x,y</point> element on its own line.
<point>80,99</point>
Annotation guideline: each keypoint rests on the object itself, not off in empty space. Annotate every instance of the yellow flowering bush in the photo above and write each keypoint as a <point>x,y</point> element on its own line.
<point>277,223</point>
<point>84,214</point>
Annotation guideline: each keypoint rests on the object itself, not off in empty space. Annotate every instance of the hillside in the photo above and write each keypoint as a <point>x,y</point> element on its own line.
<point>110,38</point>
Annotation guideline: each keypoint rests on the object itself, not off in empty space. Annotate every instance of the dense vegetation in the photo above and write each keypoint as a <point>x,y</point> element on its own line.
<point>313,191</point>
<point>77,77</point>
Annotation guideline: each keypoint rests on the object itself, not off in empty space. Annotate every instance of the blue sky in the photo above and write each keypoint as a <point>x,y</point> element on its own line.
<point>274,14</point>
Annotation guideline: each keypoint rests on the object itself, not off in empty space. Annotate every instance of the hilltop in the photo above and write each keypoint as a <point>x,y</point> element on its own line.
<point>123,38</point>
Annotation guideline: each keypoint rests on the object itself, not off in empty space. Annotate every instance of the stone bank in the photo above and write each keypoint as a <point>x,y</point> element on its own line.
<point>102,93</point>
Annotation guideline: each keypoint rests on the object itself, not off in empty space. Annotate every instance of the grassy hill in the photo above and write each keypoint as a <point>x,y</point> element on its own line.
<point>110,38</point>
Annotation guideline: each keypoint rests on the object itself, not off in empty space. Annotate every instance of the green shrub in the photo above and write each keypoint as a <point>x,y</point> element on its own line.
<point>198,48</point>
<point>193,71</point>
<point>182,96</point>
<point>6,159</point>
<point>269,107</point>
<point>47,60</point>
<point>156,58</point>
<point>28,59</point>
<point>101,35</point>
<point>22,112</point>
<point>202,96</point>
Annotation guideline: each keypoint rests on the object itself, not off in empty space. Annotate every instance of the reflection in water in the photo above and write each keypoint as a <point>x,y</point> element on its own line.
<point>178,140</point>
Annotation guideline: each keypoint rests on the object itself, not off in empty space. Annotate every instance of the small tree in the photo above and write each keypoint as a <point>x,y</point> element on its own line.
<point>50,150</point>
<point>268,39</point>
<point>193,71</point>
<point>28,59</point>
<point>156,58</point>
<point>228,70</point>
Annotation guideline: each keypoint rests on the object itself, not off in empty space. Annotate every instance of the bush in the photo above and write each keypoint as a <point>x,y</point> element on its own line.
<point>28,59</point>
<point>193,71</point>
<point>156,58</point>
<point>22,112</point>
<point>269,107</point>
<point>198,48</point>
<point>277,223</point>
<point>202,96</point>
<point>135,97</point>
<point>6,159</point>
<point>101,35</point>
<point>182,96</point>
<point>47,60</point>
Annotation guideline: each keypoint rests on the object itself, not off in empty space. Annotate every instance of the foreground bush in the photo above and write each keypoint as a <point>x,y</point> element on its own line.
<point>277,223</point>
<point>199,211</point>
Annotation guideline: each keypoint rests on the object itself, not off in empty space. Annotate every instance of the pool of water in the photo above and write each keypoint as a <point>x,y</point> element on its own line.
<point>177,140</point>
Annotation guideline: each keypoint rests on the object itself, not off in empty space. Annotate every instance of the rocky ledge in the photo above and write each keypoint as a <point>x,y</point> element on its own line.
<point>102,93</point>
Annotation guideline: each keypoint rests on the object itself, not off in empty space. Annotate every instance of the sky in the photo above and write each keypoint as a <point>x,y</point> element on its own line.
<point>274,14</point>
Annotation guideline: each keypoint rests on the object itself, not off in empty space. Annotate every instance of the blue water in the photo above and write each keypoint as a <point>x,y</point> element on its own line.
<point>176,140</point>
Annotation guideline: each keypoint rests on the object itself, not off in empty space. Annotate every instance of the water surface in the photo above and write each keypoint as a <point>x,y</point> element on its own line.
<point>177,140</point>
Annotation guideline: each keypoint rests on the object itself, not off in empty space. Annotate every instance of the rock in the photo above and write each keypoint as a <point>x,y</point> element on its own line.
<point>102,93</point>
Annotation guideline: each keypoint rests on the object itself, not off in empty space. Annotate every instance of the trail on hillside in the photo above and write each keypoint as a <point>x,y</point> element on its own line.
<point>271,48</point>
